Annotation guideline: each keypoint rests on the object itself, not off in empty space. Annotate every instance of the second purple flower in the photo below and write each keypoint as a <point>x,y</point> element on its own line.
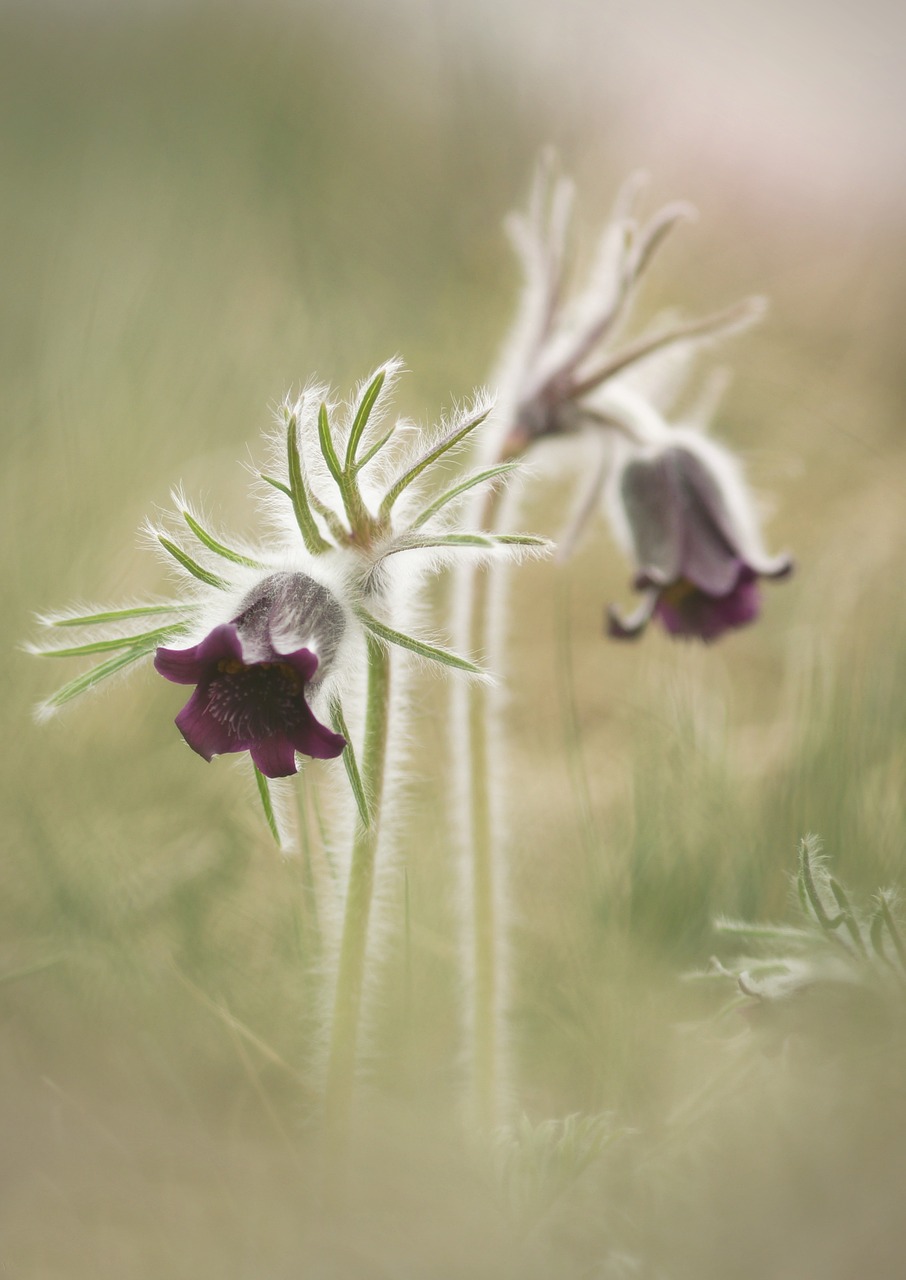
<point>695,541</point>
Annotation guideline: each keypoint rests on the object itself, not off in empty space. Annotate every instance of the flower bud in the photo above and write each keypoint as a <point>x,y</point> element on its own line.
<point>251,675</point>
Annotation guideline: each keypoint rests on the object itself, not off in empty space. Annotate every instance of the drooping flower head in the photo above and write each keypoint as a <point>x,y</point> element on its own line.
<point>677,500</point>
<point>252,673</point>
<point>272,634</point>
<point>685,516</point>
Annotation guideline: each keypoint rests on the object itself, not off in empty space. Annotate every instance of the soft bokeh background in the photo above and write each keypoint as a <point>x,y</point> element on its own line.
<point>203,205</point>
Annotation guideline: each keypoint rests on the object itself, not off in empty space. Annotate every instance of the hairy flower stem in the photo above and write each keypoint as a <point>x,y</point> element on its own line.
<point>351,969</point>
<point>486,1063</point>
<point>485,912</point>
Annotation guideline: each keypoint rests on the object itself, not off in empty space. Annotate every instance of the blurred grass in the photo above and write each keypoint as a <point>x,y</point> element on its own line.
<point>202,208</point>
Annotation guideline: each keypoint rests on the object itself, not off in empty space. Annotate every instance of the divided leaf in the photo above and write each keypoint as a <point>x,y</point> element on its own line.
<point>470,482</point>
<point>298,493</point>
<point>217,547</point>
<point>432,652</point>
<point>444,445</point>
<point>190,565</point>
<point>363,413</point>
<point>349,760</point>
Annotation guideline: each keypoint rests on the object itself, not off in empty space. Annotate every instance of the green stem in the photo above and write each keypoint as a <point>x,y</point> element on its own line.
<point>351,968</point>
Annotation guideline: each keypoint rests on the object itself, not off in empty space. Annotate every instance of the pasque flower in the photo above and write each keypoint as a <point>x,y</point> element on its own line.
<point>251,675</point>
<point>676,499</point>
<point>271,634</point>
<point>683,512</point>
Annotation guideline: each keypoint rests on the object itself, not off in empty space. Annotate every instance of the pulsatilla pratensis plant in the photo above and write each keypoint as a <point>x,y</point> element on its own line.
<point>271,634</point>
<point>840,957</point>
<point>574,390</point>
<point>280,638</point>
<point>274,636</point>
<point>676,499</point>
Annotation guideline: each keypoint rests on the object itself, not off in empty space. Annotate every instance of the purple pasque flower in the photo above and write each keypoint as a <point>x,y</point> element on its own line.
<point>251,676</point>
<point>688,519</point>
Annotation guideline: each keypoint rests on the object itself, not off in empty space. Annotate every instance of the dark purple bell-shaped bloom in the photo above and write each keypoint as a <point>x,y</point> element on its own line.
<point>696,544</point>
<point>251,675</point>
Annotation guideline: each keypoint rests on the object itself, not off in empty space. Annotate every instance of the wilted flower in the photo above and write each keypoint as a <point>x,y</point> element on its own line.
<point>251,676</point>
<point>685,515</point>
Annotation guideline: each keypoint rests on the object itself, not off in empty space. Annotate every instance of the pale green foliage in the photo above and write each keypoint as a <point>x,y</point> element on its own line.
<point>535,1165</point>
<point>338,722</point>
<point>840,951</point>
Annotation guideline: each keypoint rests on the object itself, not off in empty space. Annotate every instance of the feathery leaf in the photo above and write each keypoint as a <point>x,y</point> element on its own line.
<point>89,679</point>
<point>190,565</point>
<point>352,769</point>
<point>363,413</point>
<point>105,646</point>
<point>311,534</point>
<point>217,547</point>
<point>432,652</point>
<point>448,442</point>
<point>114,615</point>
<point>477,477</point>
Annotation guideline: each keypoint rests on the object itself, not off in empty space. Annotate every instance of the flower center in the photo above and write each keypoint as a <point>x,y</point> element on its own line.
<point>255,701</point>
<point>678,593</point>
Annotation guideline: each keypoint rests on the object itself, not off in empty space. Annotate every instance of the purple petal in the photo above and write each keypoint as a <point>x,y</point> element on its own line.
<point>205,734</point>
<point>314,739</point>
<point>191,666</point>
<point>695,613</point>
<point>256,706</point>
<point>275,757</point>
<point>303,661</point>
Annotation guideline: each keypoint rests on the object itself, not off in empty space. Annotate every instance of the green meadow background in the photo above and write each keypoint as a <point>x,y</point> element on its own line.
<point>203,206</point>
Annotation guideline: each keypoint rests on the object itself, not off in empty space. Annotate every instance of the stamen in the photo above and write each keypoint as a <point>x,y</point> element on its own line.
<point>256,701</point>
